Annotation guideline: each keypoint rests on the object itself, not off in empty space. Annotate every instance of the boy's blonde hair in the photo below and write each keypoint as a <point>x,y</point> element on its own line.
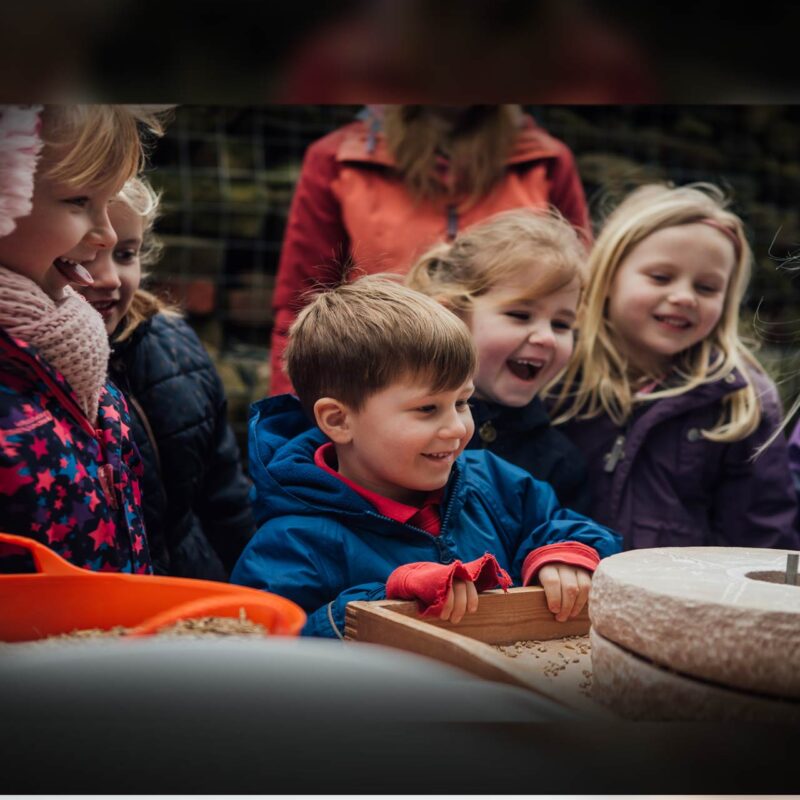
<point>502,248</point>
<point>597,379</point>
<point>94,144</point>
<point>143,200</point>
<point>360,337</point>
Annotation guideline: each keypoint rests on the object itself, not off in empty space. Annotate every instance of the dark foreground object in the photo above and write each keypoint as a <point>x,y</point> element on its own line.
<point>319,717</point>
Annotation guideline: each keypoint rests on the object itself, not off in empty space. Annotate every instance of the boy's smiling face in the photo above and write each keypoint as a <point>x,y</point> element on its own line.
<point>403,441</point>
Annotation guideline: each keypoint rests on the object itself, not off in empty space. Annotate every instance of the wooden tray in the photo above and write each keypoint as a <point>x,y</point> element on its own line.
<point>502,618</point>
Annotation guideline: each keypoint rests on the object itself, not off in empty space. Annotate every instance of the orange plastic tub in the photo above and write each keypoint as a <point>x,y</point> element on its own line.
<point>61,597</point>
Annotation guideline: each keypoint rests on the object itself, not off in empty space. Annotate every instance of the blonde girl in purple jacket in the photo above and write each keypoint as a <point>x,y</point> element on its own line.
<point>666,402</point>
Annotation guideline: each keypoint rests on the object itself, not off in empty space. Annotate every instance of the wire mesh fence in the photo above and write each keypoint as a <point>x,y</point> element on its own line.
<point>228,173</point>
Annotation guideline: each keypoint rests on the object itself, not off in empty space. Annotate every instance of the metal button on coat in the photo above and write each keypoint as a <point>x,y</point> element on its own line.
<point>487,432</point>
<point>693,434</point>
<point>730,378</point>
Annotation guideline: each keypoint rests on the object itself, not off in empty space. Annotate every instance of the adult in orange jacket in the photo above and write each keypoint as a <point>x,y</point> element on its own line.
<point>374,194</point>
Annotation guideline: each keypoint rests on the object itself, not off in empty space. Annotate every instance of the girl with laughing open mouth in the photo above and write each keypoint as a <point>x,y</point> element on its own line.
<point>68,468</point>
<point>515,280</point>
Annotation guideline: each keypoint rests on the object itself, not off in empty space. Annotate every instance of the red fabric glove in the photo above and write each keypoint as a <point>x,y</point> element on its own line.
<point>429,583</point>
<point>575,553</point>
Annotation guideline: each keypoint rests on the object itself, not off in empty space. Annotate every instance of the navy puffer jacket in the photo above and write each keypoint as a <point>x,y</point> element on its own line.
<point>196,507</point>
<point>525,437</point>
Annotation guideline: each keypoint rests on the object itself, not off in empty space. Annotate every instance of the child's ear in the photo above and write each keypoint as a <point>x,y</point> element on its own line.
<point>333,418</point>
<point>446,301</point>
<point>450,305</point>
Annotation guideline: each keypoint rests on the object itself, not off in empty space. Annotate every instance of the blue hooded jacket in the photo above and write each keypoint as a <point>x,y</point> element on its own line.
<point>322,545</point>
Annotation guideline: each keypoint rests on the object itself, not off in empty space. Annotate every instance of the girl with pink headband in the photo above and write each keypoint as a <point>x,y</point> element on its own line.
<point>69,471</point>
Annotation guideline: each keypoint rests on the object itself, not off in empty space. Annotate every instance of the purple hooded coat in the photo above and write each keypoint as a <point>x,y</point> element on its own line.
<point>659,483</point>
<point>794,457</point>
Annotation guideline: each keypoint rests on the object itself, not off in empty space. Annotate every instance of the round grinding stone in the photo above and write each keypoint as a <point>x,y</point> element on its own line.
<point>710,612</point>
<point>637,689</point>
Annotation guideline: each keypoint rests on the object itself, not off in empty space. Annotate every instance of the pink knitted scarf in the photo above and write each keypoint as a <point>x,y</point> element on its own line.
<point>68,333</point>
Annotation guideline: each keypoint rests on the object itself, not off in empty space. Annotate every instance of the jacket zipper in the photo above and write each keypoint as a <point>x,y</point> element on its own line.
<point>431,536</point>
<point>615,454</point>
<point>406,524</point>
<point>69,404</point>
<point>452,222</point>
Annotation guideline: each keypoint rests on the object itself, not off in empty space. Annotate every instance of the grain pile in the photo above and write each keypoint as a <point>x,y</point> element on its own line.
<point>195,627</point>
<point>199,627</point>
<point>565,659</point>
<point>90,633</point>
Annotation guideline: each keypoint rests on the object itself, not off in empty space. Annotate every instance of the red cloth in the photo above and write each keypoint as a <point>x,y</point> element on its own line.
<point>429,583</point>
<point>575,553</point>
<point>427,517</point>
<point>350,207</point>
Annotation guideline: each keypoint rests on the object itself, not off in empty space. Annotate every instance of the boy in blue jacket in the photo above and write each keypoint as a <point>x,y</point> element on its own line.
<point>378,500</point>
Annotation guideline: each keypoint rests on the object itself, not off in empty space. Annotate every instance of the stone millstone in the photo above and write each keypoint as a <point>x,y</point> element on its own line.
<point>695,611</point>
<point>637,689</point>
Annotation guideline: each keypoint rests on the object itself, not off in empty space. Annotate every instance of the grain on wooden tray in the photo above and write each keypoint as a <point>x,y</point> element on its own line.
<point>196,627</point>
<point>553,657</point>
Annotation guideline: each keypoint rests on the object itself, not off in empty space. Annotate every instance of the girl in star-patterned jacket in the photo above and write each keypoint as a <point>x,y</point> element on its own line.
<point>68,467</point>
<point>195,494</point>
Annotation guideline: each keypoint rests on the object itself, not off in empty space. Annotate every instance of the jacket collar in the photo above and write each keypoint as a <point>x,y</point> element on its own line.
<point>282,444</point>
<point>364,142</point>
<point>120,348</point>
<point>34,368</point>
<point>703,395</point>
<point>510,419</point>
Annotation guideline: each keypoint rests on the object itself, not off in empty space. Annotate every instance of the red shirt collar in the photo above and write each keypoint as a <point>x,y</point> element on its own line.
<point>400,512</point>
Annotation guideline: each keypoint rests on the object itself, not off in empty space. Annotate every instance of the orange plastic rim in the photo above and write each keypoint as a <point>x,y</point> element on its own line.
<point>61,598</point>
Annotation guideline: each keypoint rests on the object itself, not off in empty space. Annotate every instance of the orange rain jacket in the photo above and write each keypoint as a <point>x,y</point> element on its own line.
<point>351,209</point>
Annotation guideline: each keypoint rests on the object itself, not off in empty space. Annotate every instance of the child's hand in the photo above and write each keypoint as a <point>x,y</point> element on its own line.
<point>566,589</point>
<point>461,599</point>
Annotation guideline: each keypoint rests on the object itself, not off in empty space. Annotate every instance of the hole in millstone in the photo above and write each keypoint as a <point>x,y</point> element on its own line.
<point>771,576</point>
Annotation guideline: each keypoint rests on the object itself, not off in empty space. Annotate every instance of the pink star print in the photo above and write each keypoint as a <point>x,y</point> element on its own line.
<point>94,500</point>
<point>45,481</point>
<point>109,412</point>
<point>62,432</point>
<point>103,534</point>
<point>57,532</point>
